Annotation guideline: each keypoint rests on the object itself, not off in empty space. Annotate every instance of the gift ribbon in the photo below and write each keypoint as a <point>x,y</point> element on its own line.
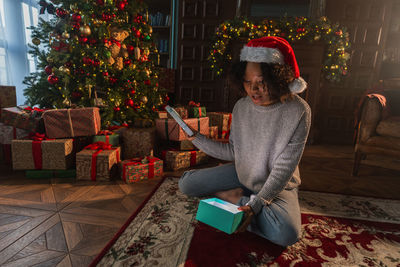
<point>138,161</point>
<point>229,128</point>
<point>99,146</point>
<point>193,158</point>
<point>107,134</point>
<point>37,139</point>
<point>70,122</point>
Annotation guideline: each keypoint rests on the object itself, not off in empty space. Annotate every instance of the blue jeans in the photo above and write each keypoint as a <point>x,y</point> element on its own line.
<point>279,222</point>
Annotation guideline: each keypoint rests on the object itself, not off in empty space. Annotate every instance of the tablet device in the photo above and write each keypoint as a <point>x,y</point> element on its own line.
<point>179,120</point>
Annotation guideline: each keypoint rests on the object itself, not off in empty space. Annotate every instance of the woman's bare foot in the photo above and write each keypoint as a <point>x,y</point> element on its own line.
<point>232,195</point>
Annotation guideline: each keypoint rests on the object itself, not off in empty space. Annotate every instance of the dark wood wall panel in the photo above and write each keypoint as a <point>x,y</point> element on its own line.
<point>198,20</point>
<point>367,22</point>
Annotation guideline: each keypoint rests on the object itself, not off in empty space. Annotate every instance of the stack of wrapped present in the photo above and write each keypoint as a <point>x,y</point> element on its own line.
<point>177,151</point>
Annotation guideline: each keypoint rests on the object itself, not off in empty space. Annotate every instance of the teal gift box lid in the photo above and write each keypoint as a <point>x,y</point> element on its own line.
<point>219,214</point>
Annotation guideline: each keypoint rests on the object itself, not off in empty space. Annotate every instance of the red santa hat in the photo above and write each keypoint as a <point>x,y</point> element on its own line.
<point>274,50</point>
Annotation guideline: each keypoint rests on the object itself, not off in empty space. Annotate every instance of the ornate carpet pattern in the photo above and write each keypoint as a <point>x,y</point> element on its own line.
<point>336,230</point>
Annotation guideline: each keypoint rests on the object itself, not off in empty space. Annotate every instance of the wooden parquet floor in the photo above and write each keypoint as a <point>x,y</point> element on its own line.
<point>63,222</point>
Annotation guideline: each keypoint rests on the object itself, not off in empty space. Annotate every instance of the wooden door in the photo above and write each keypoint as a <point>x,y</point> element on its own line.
<point>368,23</point>
<point>196,25</point>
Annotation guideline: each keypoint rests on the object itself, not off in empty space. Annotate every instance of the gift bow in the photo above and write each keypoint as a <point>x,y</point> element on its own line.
<point>34,109</point>
<point>99,146</point>
<point>105,132</point>
<point>194,104</point>
<point>37,137</point>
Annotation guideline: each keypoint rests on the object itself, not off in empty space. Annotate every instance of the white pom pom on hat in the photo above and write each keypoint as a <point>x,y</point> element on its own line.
<point>273,49</point>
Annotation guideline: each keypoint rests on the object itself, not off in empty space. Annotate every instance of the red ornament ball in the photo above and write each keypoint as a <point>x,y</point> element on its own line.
<point>83,39</point>
<point>100,2</point>
<point>127,62</point>
<point>121,5</point>
<point>105,74</point>
<point>52,79</point>
<point>76,17</point>
<point>117,109</point>
<point>132,92</point>
<point>130,48</point>
<point>96,63</point>
<point>129,103</point>
<point>48,70</point>
<point>147,82</point>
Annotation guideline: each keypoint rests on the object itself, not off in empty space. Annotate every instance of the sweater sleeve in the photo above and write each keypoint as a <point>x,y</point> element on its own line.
<point>284,165</point>
<point>215,149</point>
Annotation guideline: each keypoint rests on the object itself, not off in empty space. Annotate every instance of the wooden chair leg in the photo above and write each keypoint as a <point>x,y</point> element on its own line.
<point>357,160</point>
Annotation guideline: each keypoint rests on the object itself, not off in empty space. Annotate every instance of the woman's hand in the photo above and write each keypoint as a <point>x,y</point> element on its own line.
<point>247,216</point>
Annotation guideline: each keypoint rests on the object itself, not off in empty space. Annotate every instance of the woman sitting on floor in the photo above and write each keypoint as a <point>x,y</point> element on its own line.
<point>268,134</point>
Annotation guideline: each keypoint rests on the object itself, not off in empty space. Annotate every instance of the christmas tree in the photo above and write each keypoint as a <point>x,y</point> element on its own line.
<point>96,53</point>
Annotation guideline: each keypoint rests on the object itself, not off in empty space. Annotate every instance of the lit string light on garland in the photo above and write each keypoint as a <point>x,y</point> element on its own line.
<point>292,29</point>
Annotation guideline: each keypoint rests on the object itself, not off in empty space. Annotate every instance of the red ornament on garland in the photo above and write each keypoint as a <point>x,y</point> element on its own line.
<point>52,79</point>
<point>147,82</point>
<point>127,62</point>
<point>132,92</point>
<point>117,109</point>
<point>100,2</point>
<point>121,5</point>
<point>48,70</point>
<point>112,80</point>
<point>105,74</point>
<point>129,103</point>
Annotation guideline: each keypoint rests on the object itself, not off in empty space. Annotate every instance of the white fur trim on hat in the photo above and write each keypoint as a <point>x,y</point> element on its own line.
<point>261,55</point>
<point>298,85</point>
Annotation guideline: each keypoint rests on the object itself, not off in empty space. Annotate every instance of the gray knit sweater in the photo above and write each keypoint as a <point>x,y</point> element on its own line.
<point>266,144</point>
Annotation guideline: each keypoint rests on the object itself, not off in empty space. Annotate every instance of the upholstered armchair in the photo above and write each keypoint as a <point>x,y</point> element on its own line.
<point>378,129</point>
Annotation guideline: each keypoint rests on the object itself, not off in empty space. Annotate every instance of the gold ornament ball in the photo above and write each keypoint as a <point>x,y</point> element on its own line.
<point>317,37</point>
<point>143,99</point>
<point>146,51</point>
<point>36,41</point>
<point>65,35</point>
<point>50,59</point>
<point>85,30</point>
<point>64,69</point>
<point>150,29</point>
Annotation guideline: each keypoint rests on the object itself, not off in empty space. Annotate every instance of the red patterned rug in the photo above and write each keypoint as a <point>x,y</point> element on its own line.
<point>337,230</point>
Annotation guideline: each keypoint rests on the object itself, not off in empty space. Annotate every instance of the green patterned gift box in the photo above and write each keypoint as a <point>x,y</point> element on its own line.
<point>196,111</point>
<point>137,169</point>
<point>108,137</point>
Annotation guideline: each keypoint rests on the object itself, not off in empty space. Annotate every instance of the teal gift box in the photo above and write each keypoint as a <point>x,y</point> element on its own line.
<point>219,214</point>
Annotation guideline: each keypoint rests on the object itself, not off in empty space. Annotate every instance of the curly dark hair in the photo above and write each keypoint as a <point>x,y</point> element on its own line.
<point>276,76</point>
